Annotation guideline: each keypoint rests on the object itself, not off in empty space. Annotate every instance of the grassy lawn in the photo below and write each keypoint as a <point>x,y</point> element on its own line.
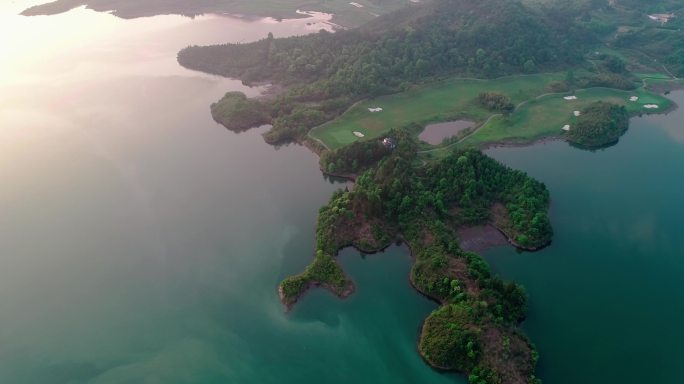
<point>443,101</point>
<point>546,116</point>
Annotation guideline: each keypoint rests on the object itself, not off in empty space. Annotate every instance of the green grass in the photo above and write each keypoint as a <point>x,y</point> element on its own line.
<point>443,101</point>
<point>545,116</point>
<point>539,115</point>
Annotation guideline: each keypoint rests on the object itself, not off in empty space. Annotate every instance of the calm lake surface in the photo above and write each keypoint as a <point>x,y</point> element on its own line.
<point>142,242</point>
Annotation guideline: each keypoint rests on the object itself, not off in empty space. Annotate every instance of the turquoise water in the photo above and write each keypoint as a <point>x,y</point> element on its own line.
<point>606,300</point>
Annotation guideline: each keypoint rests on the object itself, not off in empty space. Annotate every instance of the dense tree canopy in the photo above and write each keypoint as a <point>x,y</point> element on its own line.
<point>495,101</point>
<point>600,124</point>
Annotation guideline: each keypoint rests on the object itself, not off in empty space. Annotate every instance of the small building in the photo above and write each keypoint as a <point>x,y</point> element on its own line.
<point>389,142</point>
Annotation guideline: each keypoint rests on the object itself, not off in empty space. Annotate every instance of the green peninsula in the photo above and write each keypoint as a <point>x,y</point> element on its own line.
<point>475,329</point>
<point>236,110</point>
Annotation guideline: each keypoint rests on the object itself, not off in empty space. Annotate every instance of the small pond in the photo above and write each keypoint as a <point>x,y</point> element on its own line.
<point>436,133</point>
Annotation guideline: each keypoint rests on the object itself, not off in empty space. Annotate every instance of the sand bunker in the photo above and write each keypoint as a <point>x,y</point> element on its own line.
<point>577,113</point>
<point>357,5</point>
<point>633,98</point>
<point>651,106</point>
<point>566,128</point>
<point>358,134</point>
<point>376,109</point>
<point>570,97</point>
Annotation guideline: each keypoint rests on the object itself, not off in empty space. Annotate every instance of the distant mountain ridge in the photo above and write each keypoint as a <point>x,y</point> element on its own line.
<point>347,14</point>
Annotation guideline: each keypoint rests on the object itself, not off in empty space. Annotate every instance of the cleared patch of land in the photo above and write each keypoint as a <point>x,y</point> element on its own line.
<point>437,102</point>
<point>480,238</point>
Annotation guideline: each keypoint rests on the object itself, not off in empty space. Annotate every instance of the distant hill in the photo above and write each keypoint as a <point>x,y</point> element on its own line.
<point>648,34</point>
<point>346,14</point>
<point>486,38</point>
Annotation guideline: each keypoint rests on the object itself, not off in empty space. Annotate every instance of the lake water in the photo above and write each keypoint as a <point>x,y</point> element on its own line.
<point>436,133</point>
<point>142,242</point>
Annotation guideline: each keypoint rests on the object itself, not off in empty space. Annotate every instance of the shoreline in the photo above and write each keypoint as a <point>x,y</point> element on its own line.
<point>271,92</point>
<point>350,287</point>
<point>349,290</point>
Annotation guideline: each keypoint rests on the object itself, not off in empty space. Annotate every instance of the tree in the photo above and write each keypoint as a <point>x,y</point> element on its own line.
<point>615,64</point>
<point>529,66</point>
<point>570,78</point>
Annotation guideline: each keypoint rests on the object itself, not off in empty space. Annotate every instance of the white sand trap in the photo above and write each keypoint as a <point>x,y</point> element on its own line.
<point>651,106</point>
<point>357,5</point>
<point>577,113</point>
<point>633,98</point>
<point>358,134</point>
<point>570,97</point>
<point>376,109</point>
<point>566,128</point>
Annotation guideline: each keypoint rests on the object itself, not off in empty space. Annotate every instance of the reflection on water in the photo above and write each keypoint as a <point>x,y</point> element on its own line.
<point>142,242</point>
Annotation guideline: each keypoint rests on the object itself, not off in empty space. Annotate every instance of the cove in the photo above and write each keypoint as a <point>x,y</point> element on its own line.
<point>376,328</point>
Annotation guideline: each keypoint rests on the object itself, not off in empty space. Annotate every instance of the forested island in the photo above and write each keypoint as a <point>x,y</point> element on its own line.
<point>520,69</point>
